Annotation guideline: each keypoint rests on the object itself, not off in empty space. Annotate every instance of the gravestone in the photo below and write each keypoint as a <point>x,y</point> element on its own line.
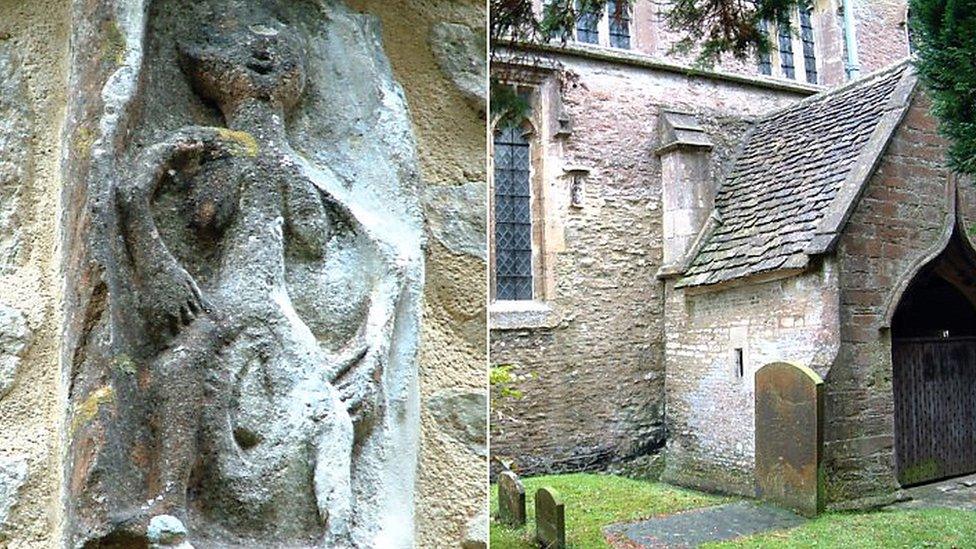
<point>511,499</point>
<point>789,437</point>
<point>550,519</point>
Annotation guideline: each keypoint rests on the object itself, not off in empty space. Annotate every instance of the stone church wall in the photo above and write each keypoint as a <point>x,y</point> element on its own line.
<point>897,222</point>
<point>710,404</point>
<point>33,78</point>
<point>591,374</point>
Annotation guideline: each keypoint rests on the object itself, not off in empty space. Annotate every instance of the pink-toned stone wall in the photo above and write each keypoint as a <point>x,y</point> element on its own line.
<point>592,379</point>
<point>899,220</point>
<point>710,406</point>
<point>880,29</point>
<point>881,33</point>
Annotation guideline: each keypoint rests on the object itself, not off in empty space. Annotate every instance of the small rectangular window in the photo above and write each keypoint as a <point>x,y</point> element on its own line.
<point>809,51</point>
<point>619,14</point>
<point>587,24</point>
<point>786,51</point>
<point>740,366</point>
<point>765,60</point>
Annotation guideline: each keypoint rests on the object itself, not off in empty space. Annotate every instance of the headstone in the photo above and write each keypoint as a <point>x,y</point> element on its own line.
<point>511,499</point>
<point>789,437</point>
<point>550,519</point>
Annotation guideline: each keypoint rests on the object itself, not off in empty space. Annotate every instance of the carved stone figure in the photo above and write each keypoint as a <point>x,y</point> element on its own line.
<point>274,400</point>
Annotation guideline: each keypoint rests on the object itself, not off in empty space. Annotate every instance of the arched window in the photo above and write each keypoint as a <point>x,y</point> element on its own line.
<point>513,215</point>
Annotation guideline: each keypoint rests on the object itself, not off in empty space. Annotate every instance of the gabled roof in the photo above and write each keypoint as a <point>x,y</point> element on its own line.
<point>798,177</point>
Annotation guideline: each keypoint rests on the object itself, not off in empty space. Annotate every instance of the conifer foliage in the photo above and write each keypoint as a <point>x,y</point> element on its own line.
<point>944,36</point>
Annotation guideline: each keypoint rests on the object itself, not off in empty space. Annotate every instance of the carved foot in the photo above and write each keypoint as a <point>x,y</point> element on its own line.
<point>167,531</point>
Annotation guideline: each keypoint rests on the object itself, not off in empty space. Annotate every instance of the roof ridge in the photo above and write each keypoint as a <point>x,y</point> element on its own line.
<point>858,82</point>
<point>794,190</point>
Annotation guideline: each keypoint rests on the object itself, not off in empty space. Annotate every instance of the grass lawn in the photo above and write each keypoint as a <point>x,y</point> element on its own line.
<point>888,529</point>
<point>592,502</point>
<point>595,501</point>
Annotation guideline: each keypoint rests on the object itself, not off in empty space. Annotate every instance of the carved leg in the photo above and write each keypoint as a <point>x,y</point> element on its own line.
<point>177,390</point>
<point>333,479</point>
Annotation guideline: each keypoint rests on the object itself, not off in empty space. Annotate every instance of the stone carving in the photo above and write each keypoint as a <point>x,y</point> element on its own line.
<point>511,499</point>
<point>789,437</point>
<point>263,276</point>
<point>13,475</point>
<point>14,337</point>
<point>15,138</point>
<point>461,54</point>
<point>550,519</point>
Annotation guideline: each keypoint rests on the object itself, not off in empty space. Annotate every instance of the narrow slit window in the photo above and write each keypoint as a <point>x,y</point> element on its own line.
<point>809,48</point>
<point>786,51</point>
<point>765,60</point>
<point>619,15</point>
<point>740,368</point>
<point>513,219</point>
<point>587,23</point>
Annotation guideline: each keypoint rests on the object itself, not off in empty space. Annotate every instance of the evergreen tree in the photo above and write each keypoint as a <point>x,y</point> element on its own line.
<point>944,35</point>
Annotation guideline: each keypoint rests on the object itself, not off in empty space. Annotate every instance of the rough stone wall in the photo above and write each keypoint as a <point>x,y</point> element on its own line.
<point>592,377</point>
<point>899,219</point>
<point>451,142</point>
<point>710,407</point>
<point>882,37</point>
<point>33,50</point>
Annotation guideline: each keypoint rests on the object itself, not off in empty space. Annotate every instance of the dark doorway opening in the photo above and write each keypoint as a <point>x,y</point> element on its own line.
<point>933,346</point>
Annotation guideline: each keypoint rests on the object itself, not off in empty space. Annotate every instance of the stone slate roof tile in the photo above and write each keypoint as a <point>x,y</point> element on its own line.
<point>784,186</point>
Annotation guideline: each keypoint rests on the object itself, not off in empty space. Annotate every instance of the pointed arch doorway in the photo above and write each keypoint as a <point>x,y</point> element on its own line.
<point>933,346</point>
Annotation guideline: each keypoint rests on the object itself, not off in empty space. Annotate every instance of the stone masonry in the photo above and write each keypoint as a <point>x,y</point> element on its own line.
<point>609,361</point>
<point>592,370</point>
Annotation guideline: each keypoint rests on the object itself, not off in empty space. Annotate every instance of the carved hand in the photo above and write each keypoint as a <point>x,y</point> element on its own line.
<point>169,296</point>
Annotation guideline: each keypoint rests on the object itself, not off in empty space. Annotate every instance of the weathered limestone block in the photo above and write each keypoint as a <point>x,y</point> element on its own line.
<point>14,338</point>
<point>456,217</point>
<point>789,437</point>
<point>15,131</point>
<point>244,312</point>
<point>13,475</point>
<point>476,533</point>
<point>463,414</point>
<point>461,54</point>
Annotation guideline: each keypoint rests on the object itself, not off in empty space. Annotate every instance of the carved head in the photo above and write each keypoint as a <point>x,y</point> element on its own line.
<point>233,62</point>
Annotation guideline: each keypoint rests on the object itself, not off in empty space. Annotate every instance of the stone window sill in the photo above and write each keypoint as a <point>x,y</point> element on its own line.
<point>517,315</point>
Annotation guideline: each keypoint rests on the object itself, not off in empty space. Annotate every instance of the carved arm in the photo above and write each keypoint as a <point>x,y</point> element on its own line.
<point>168,295</point>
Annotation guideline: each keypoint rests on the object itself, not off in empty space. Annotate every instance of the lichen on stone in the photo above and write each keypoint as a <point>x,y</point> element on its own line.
<point>86,412</point>
<point>248,146</point>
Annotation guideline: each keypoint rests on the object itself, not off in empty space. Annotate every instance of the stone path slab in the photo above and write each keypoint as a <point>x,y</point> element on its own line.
<point>697,526</point>
<point>957,493</point>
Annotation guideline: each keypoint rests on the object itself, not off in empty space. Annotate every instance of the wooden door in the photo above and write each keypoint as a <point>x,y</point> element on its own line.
<point>935,407</point>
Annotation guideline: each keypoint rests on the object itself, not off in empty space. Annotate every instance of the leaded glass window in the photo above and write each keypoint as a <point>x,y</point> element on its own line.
<point>765,60</point>
<point>809,53</point>
<point>513,215</point>
<point>619,14</point>
<point>587,24</point>
<point>786,50</point>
